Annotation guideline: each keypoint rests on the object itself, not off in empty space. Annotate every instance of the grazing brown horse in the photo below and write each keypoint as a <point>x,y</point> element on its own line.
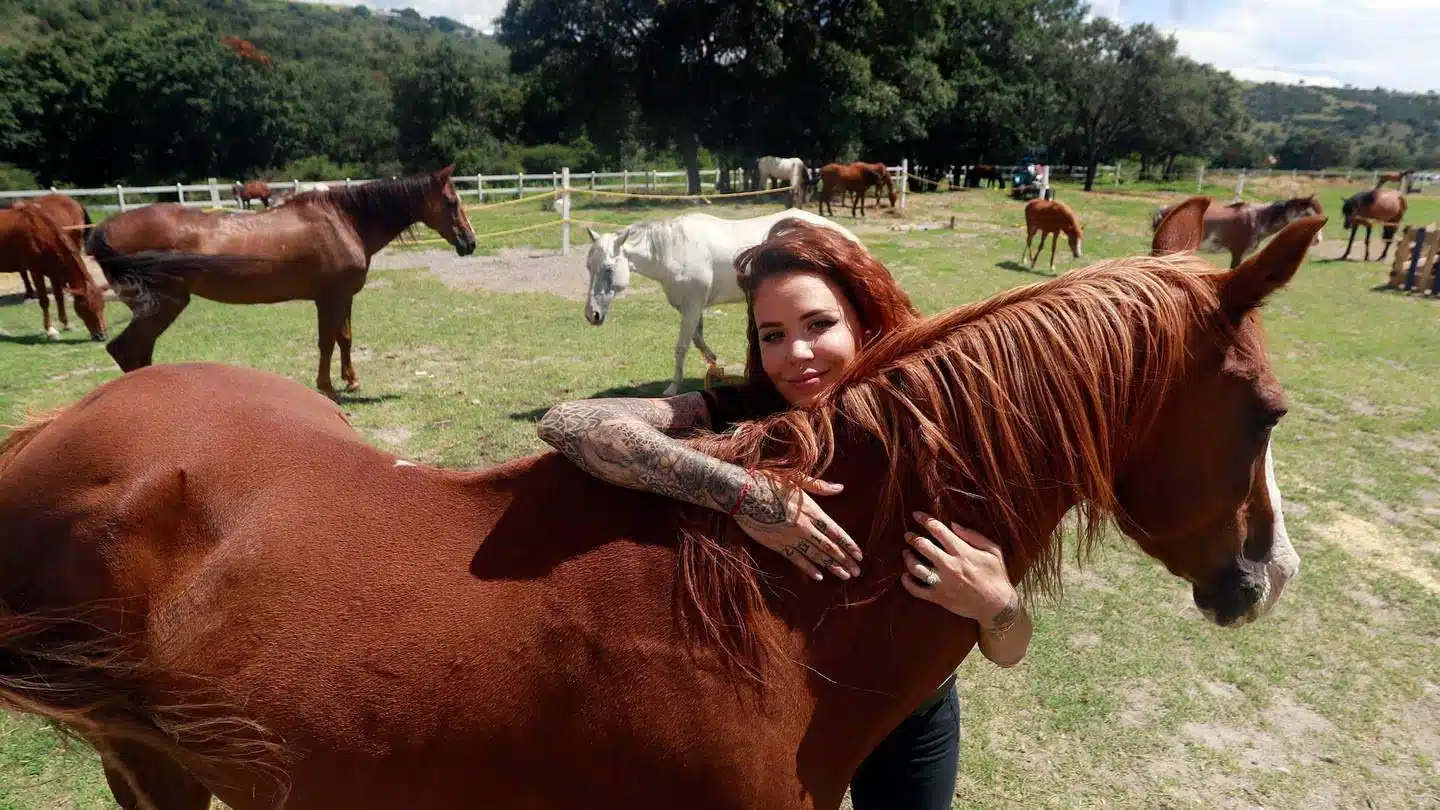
<point>846,178</point>
<point>254,603</point>
<point>317,247</point>
<point>70,215</point>
<point>882,171</point>
<point>1240,227</point>
<point>31,241</point>
<point>1051,218</point>
<point>1382,205</point>
<point>253,190</point>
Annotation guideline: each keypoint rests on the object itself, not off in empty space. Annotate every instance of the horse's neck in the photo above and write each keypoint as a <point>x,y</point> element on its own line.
<point>641,250</point>
<point>374,231</point>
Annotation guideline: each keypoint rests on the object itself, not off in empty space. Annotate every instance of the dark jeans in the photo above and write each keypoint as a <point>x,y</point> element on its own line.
<point>914,768</point>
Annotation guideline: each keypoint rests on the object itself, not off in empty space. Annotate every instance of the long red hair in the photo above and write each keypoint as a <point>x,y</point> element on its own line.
<point>796,246</point>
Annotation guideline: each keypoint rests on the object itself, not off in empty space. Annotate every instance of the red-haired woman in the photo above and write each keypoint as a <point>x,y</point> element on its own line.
<point>815,298</point>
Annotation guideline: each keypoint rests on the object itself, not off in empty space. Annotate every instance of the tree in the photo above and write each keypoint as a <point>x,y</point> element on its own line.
<point>1312,151</point>
<point>447,101</point>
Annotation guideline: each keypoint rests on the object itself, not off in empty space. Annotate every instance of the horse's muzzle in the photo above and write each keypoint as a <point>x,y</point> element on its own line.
<point>465,244</point>
<point>595,318</point>
<point>98,337</point>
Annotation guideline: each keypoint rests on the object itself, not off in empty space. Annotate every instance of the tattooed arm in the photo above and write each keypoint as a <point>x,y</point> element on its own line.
<point>632,443</point>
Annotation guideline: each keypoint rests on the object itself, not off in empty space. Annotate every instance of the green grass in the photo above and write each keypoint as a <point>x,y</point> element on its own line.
<point>1128,698</point>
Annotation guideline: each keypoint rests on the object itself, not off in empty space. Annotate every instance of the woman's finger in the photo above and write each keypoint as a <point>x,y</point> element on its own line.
<point>815,486</point>
<point>918,569</point>
<point>802,562</point>
<point>944,538</point>
<point>916,589</point>
<point>932,553</point>
<point>976,539</point>
<point>837,557</point>
<point>810,548</point>
<point>834,531</point>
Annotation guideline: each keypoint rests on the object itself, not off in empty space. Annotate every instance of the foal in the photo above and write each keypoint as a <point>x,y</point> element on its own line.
<point>1050,217</point>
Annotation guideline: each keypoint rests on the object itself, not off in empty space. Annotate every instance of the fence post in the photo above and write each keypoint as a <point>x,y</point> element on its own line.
<point>1199,178</point>
<point>904,180</point>
<point>1294,173</point>
<point>1240,186</point>
<point>565,209</point>
<point>214,193</point>
<point>294,186</point>
<point>120,192</point>
<point>625,180</point>
<point>650,181</point>
<point>1347,175</point>
<point>480,187</point>
<point>1375,178</point>
<point>180,192</point>
<point>555,181</point>
<point>1117,173</point>
<point>592,179</point>
<point>520,184</point>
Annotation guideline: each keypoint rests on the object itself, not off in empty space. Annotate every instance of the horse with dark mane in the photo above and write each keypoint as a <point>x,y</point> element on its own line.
<point>882,172</point>
<point>317,247</point>
<point>846,178</point>
<point>220,613</point>
<point>32,242</point>
<point>1240,227</point>
<point>1382,205</point>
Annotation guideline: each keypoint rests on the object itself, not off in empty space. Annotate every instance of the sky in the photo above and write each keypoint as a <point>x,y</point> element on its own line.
<point>1367,43</point>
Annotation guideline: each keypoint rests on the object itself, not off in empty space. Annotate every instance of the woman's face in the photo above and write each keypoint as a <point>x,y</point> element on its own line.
<point>808,334</point>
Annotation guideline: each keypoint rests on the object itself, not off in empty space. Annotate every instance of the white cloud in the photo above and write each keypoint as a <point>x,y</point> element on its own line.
<point>478,14</point>
<point>1367,43</point>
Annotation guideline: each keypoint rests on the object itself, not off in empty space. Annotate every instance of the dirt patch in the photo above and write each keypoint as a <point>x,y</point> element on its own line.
<point>1375,545</point>
<point>1254,749</point>
<point>512,270</point>
<point>394,436</point>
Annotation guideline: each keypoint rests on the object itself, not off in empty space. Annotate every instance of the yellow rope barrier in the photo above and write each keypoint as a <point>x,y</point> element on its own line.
<point>479,236</point>
<point>532,198</point>
<point>949,186</point>
<point>727,195</point>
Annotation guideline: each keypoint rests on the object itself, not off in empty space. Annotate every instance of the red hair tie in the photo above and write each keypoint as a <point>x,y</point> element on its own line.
<point>744,488</point>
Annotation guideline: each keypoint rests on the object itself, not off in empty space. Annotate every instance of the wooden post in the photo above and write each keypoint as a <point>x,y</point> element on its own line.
<point>1117,173</point>
<point>565,209</point>
<point>180,192</point>
<point>1425,274</point>
<point>650,181</point>
<point>1199,178</point>
<point>1400,265</point>
<point>214,193</point>
<point>1240,186</point>
<point>625,180</point>
<point>480,187</point>
<point>592,180</point>
<point>120,192</point>
<point>520,184</point>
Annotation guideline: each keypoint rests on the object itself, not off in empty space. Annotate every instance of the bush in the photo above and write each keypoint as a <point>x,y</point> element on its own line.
<point>317,167</point>
<point>14,178</point>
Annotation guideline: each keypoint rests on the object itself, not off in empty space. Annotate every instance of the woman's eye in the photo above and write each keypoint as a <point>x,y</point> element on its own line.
<point>821,324</point>
<point>771,337</point>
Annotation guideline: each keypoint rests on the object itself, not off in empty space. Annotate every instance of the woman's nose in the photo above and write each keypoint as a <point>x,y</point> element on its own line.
<point>800,351</point>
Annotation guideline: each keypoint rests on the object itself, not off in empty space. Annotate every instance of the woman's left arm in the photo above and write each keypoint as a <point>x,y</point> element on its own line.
<point>964,572</point>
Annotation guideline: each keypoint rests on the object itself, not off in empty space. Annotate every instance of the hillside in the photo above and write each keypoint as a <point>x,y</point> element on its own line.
<point>1390,127</point>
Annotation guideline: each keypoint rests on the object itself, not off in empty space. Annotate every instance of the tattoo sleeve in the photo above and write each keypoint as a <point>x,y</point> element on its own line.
<point>631,443</point>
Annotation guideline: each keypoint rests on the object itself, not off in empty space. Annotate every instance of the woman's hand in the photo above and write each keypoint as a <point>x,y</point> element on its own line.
<point>960,570</point>
<point>793,524</point>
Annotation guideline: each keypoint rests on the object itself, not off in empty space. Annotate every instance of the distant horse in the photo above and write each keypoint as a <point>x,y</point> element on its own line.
<point>693,258</point>
<point>1394,177</point>
<point>882,171</point>
<point>1368,207</point>
<point>70,215</point>
<point>31,241</point>
<point>232,593</point>
<point>1051,218</point>
<point>988,175</point>
<point>317,247</point>
<point>1240,227</point>
<point>846,178</point>
<point>786,171</point>
<point>253,190</point>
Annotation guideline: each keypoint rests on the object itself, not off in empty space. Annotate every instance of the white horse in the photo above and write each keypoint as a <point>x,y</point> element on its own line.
<point>789,171</point>
<point>693,258</point>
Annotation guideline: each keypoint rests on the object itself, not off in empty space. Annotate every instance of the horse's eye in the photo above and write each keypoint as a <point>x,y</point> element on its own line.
<point>1270,419</point>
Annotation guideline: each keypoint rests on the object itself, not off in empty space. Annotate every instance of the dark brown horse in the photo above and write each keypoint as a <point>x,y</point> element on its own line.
<point>847,178</point>
<point>30,241</point>
<point>253,190</point>
<point>1051,218</point>
<point>254,603</point>
<point>883,172</point>
<point>317,247</point>
<point>1382,205</point>
<point>1240,227</point>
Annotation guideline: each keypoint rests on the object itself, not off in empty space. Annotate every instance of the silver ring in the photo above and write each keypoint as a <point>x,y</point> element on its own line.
<point>931,579</point>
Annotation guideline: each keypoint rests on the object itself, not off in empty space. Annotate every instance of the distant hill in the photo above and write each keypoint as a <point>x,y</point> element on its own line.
<point>1388,127</point>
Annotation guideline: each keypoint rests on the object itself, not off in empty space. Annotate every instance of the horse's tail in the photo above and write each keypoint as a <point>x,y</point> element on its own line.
<point>141,277</point>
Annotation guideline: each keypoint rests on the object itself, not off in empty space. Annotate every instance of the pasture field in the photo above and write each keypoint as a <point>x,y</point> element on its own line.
<point>1128,697</point>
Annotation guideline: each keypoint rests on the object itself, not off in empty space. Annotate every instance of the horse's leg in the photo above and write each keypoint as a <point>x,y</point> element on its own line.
<point>1038,249</point>
<point>142,778</point>
<point>347,371</point>
<point>689,320</point>
<point>1029,237</point>
<point>29,288</point>
<point>1351,243</point>
<point>57,288</point>
<point>330,318</point>
<point>1367,241</point>
<point>42,297</point>
<point>1388,235</point>
<point>1054,243</point>
<point>700,344</point>
<point>135,348</point>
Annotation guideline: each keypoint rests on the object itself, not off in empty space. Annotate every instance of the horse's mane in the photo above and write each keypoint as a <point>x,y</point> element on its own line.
<point>994,413</point>
<point>388,203</point>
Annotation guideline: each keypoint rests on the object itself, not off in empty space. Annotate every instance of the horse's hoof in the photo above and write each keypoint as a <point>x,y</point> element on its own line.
<point>352,385</point>
<point>52,334</point>
<point>65,327</point>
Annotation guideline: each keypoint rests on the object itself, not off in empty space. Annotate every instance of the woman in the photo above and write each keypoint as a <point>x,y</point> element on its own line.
<point>815,298</point>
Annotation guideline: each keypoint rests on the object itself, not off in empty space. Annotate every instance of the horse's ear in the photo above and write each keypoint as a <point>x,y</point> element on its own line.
<point>1181,229</point>
<point>444,174</point>
<point>1248,285</point>
<point>594,237</point>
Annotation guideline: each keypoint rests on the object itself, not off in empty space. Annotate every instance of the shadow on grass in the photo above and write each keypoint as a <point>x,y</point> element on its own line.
<point>648,390</point>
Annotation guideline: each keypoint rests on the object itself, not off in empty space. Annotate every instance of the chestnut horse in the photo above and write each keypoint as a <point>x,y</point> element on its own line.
<point>1051,218</point>
<point>888,183</point>
<point>1385,206</point>
<point>317,247</point>
<point>1240,227</point>
<point>253,190</point>
<point>30,240</point>
<point>70,215</point>
<point>847,178</point>
<point>232,593</point>
<point>1393,177</point>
